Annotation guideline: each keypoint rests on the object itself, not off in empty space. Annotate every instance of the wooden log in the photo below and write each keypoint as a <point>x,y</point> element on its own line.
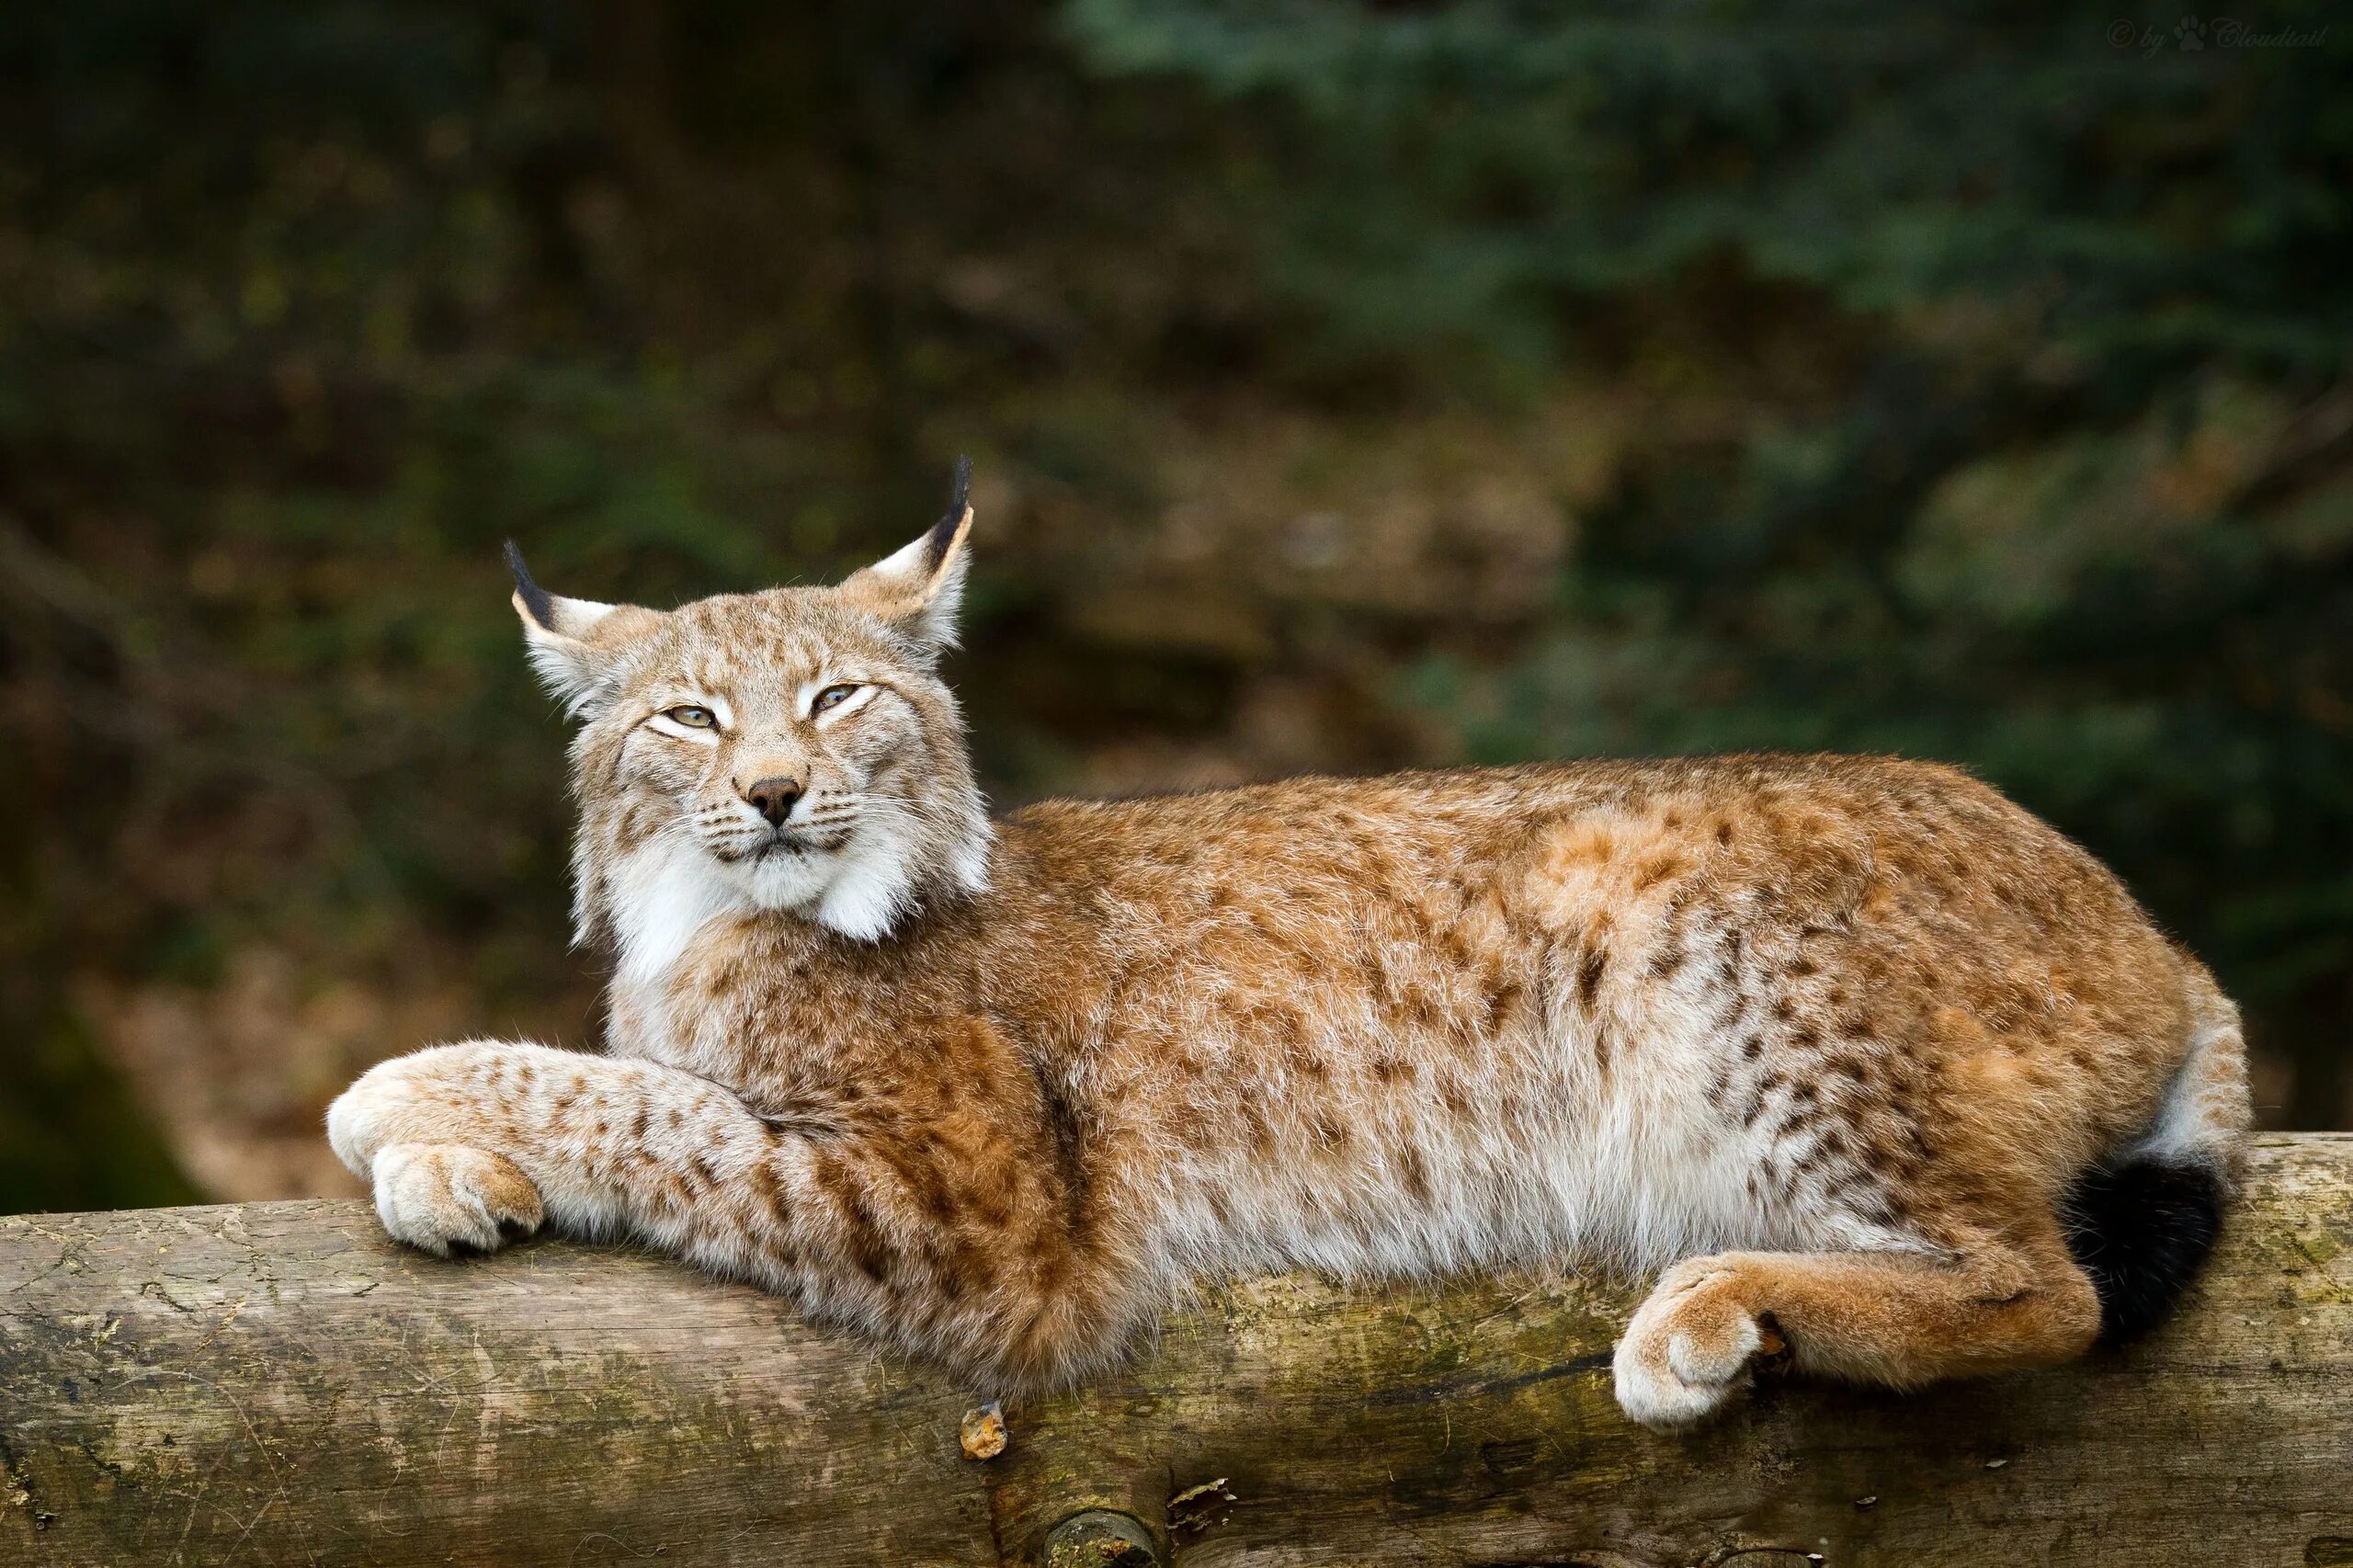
<point>278,1384</point>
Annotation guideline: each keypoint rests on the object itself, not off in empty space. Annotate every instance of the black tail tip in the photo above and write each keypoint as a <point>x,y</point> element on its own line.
<point>2142,1231</point>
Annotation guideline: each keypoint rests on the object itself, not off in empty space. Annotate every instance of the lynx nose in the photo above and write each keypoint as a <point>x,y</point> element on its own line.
<point>774,797</point>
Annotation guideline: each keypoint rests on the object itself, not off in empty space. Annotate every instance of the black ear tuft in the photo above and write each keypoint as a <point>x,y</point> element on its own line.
<point>535,598</point>
<point>943,532</point>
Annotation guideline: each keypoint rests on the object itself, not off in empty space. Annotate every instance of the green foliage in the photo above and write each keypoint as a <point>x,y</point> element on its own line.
<point>1491,176</point>
<point>2029,342</point>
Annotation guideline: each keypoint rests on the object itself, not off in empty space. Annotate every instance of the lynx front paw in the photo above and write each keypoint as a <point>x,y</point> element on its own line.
<point>1688,1350</point>
<point>440,1195</point>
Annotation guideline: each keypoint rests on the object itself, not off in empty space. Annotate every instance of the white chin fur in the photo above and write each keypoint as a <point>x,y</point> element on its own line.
<point>662,894</point>
<point>873,883</point>
<point>781,880</point>
<point>665,892</point>
<point>861,890</point>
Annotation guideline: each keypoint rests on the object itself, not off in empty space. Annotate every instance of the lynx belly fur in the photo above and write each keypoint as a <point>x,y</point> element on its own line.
<point>1871,1062</point>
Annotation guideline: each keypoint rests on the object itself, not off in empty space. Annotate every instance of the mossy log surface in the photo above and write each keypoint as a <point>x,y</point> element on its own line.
<point>279,1384</point>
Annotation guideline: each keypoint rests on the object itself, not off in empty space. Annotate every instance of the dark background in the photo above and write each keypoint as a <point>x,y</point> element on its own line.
<point>1351,386</point>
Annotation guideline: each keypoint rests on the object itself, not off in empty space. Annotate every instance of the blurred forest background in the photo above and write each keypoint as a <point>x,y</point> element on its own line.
<point>1351,386</point>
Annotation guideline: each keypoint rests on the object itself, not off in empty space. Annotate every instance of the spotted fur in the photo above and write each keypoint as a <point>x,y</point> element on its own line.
<point>1834,1041</point>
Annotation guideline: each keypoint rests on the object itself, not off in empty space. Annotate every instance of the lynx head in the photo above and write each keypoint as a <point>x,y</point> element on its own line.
<point>792,750</point>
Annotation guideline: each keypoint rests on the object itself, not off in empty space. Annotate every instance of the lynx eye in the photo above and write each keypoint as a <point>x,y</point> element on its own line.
<point>832,697</point>
<point>693,718</point>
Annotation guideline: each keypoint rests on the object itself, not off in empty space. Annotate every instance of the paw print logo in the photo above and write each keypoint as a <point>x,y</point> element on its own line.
<point>2191,32</point>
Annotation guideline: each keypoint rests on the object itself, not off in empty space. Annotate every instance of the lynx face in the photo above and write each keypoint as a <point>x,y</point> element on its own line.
<point>788,750</point>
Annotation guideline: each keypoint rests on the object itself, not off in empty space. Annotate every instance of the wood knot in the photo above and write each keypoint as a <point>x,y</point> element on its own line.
<point>1100,1538</point>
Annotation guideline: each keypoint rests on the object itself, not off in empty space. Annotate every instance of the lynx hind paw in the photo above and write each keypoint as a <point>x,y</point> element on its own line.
<point>1687,1352</point>
<point>439,1197</point>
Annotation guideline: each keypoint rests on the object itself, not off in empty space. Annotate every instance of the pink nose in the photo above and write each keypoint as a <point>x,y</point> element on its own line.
<point>774,798</point>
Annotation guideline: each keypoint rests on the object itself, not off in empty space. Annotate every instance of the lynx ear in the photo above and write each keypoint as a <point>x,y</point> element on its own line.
<point>919,588</point>
<point>574,643</point>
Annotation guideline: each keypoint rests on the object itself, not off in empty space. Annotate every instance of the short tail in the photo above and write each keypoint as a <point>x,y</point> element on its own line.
<point>2143,1224</point>
<point>2142,1231</point>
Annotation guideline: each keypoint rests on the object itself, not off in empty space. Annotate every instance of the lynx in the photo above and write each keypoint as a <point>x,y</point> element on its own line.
<point>1895,1082</point>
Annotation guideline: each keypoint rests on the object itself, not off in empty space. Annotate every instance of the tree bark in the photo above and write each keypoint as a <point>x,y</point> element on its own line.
<point>277,1383</point>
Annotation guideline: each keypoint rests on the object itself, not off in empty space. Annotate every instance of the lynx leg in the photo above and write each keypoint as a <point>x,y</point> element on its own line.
<point>930,1225</point>
<point>1867,1317</point>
